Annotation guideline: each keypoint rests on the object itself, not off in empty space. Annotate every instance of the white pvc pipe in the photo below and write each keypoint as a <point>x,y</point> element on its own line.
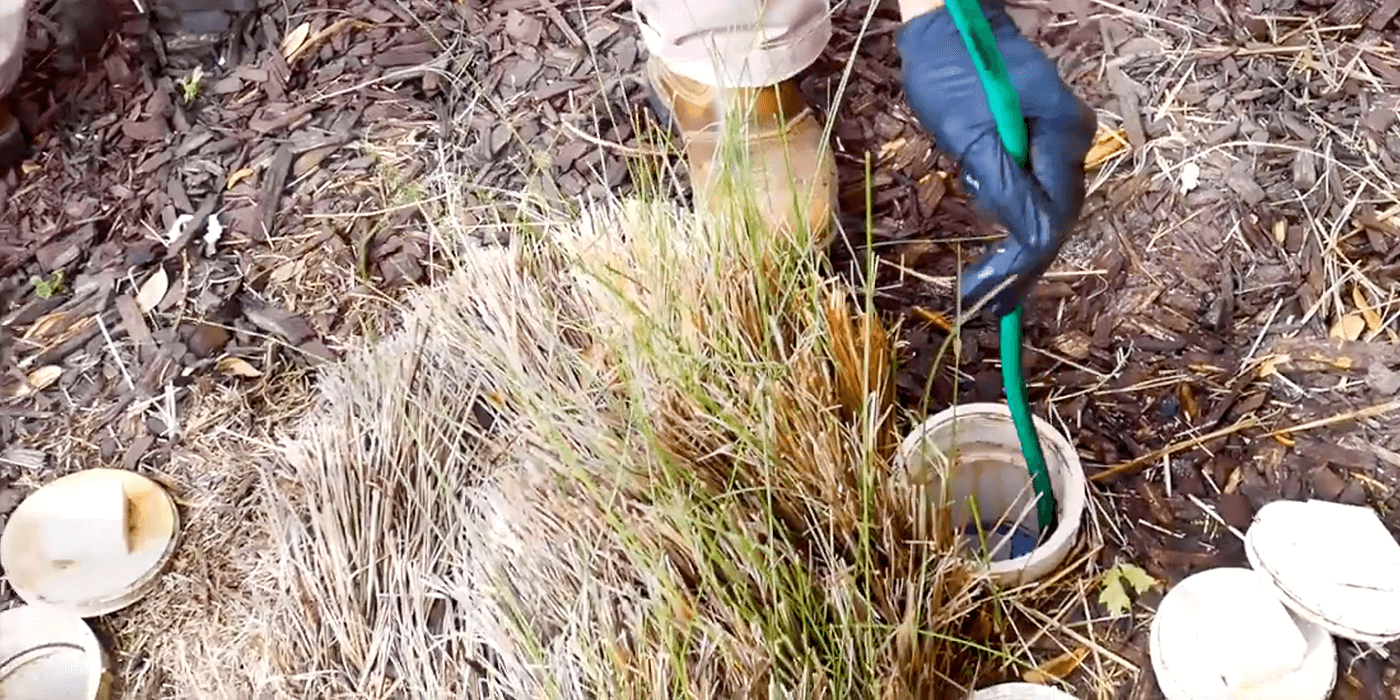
<point>989,470</point>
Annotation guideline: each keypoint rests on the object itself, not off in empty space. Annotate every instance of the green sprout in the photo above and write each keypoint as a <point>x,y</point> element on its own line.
<point>47,288</point>
<point>189,87</point>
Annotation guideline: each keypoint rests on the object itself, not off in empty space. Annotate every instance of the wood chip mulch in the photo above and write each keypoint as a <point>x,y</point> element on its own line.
<point>194,205</point>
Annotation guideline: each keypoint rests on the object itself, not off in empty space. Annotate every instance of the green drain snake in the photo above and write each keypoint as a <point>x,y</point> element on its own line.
<point>1005,106</point>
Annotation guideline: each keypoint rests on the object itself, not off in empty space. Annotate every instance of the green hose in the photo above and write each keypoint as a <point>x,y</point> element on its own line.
<point>1015,383</point>
<point>1011,126</point>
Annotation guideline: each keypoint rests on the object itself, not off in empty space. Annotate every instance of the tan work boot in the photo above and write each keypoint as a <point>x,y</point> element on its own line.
<point>793,176</point>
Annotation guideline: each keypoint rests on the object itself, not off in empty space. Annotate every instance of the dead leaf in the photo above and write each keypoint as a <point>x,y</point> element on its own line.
<point>295,39</point>
<point>289,326</point>
<point>1076,344</point>
<point>1188,401</point>
<point>1269,366</point>
<point>1190,177</point>
<point>153,291</point>
<point>1056,669</point>
<point>1232,484</point>
<point>45,325</point>
<point>1373,319</point>
<point>238,176</point>
<point>285,271</point>
<point>1107,143</point>
<point>318,38</point>
<point>66,332</point>
<point>1348,327</point>
<point>238,367</point>
<point>38,380</point>
<point>1141,46</point>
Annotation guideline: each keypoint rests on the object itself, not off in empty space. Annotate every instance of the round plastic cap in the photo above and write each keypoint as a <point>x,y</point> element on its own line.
<point>91,542</point>
<point>47,653</point>
<point>1332,564</point>
<point>1021,691</point>
<point>1223,633</point>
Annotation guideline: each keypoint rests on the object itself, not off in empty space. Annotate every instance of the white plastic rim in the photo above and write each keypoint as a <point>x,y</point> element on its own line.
<point>47,653</point>
<point>1332,564</point>
<point>94,588</point>
<point>1195,642</point>
<point>991,467</point>
<point>1021,691</point>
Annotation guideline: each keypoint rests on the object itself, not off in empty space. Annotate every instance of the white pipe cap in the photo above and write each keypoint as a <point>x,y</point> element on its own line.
<point>1223,634</point>
<point>1332,564</point>
<point>1021,691</point>
<point>47,653</point>
<point>91,542</point>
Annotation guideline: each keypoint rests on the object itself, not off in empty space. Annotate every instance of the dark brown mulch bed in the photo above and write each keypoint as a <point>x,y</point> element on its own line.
<point>1163,346</point>
<point>1162,331</point>
<point>204,208</point>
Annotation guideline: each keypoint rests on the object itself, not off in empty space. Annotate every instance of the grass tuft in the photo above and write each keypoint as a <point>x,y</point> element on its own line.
<point>642,453</point>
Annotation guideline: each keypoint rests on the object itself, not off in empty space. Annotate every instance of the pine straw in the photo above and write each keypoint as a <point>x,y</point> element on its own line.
<point>627,458</point>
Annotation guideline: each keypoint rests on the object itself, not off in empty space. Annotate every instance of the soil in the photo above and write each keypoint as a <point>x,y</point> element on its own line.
<point>1235,275</point>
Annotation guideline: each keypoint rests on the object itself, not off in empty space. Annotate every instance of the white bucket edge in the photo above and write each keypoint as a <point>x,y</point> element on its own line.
<point>1070,501</point>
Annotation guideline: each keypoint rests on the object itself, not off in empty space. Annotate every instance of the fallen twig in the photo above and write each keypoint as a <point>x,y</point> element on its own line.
<point>1358,414</point>
<point>1242,424</point>
<point>1081,639</point>
<point>619,147</point>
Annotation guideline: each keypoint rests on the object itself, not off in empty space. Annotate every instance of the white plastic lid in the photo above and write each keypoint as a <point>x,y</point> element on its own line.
<point>1332,564</point>
<point>47,653</point>
<point>1222,633</point>
<point>91,542</point>
<point>1021,691</point>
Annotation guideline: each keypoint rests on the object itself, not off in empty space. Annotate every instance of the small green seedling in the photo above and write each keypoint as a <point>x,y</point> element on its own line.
<point>47,288</point>
<point>1114,596</point>
<point>189,87</point>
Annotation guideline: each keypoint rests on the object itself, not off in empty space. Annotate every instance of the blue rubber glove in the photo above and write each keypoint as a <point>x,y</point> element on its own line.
<point>1038,207</point>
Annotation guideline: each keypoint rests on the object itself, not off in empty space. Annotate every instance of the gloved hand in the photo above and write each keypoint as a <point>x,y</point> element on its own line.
<point>1038,206</point>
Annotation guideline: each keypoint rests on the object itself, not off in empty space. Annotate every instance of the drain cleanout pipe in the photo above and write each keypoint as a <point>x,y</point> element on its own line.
<point>1011,126</point>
